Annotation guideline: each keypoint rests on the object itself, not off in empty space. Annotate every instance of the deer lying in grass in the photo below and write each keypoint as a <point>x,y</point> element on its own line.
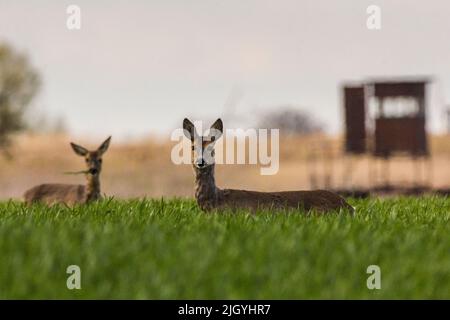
<point>209,197</point>
<point>70,193</point>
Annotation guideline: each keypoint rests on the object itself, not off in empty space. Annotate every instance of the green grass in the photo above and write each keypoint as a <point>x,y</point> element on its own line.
<point>152,249</point>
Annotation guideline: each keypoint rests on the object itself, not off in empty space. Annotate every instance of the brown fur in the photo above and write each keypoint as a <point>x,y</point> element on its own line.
<point>319,200</point>
<point>209,197</point>
<point>51,193</point>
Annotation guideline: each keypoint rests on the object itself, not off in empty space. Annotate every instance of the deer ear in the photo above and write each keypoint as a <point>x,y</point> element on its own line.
<point>189,129</point>
<point>218,125</point>
<point>216,130</point>
<point>79,150</point>
<point>104,146</point>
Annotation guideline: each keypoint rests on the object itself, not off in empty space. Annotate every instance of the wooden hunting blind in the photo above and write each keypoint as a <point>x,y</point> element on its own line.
<point>398,123</point>
<point>355,120</point>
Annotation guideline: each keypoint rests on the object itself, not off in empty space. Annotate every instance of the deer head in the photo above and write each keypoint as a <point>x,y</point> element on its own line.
<point>93,159</point>
<point>202,146</point>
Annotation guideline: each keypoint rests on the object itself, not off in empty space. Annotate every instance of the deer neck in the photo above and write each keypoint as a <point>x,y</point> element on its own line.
<point>206,192</point>
<point>92,188</point>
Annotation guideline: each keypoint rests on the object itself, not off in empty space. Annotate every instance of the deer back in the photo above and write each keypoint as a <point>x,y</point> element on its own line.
<point>56,193</point>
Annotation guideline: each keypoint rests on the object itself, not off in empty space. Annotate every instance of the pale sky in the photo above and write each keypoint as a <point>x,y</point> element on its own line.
<point>137,68</point>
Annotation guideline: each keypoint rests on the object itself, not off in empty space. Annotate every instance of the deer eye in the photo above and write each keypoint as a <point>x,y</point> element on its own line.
<point>87,160</point>
<point>100,160</point>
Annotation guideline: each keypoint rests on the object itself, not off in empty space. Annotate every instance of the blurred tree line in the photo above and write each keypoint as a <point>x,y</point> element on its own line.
<point>290,121</point>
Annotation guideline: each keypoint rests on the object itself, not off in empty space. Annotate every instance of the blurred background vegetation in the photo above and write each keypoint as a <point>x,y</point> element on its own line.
<point>19,83</point>
<point>40,152</point>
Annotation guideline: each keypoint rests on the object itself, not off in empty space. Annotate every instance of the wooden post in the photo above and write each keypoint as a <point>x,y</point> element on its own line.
<point>386,171</point>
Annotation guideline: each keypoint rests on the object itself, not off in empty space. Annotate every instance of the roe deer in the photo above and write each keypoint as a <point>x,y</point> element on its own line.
<point>70,194</point>
<point>210,197</point>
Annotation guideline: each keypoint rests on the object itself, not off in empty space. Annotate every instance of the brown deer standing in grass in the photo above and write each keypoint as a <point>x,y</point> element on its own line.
<point>70,193</point>
<point>209,197</point>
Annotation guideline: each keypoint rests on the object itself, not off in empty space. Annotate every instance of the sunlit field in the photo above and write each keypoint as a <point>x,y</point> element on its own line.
<point>144,168</point>
<point>169,249</point>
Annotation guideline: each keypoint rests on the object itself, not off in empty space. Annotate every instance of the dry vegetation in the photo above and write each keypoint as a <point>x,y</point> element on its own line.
<point>144,168</point>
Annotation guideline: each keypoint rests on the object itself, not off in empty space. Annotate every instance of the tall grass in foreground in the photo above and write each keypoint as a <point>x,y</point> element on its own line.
<point>151,249</point>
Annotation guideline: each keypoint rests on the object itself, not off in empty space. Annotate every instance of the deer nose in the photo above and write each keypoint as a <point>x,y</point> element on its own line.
<point>200,163</point>
<point>93,171</point>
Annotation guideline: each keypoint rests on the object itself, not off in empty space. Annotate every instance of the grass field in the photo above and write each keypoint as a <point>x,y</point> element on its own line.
<point>169,249</point>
